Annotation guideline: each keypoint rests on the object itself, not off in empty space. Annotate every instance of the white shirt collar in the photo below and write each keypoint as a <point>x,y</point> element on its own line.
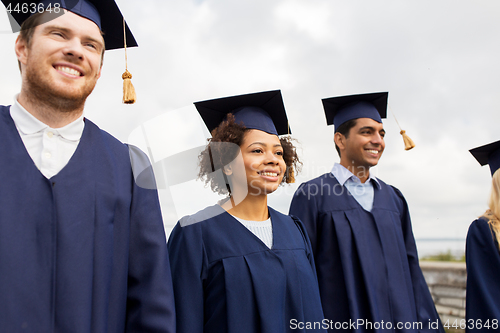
<point>28,124</point>
<point>73,131</point>
<point>343,174</point>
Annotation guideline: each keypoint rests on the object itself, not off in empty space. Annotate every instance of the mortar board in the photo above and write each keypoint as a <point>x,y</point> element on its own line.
<point>488,154</point>
<point>104,13</point>
<point>339,110</point>
<point>263,111</point>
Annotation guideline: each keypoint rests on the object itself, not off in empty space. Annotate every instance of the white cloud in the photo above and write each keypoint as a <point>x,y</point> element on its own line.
<point>311,17</point>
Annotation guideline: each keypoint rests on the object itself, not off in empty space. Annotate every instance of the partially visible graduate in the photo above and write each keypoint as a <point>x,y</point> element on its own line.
<point>482,253</point>
<point>241,266</point>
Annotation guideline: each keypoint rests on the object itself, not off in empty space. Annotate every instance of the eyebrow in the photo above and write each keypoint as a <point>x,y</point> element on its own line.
<point>371,128</point>
<point>58,27</point>
<point>263,144</point>
<point>68,31</point>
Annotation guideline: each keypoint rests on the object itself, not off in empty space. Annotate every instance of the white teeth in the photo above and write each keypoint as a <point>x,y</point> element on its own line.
<point>269,174</point>
<point>68,70</point>
<point>373,151</point>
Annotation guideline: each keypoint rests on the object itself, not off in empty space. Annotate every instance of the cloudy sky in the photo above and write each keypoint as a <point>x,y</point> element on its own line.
<point>439,60</point>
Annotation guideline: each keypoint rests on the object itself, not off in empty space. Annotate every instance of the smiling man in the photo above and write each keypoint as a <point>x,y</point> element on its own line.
<point>82,246</point>
<point>360,230</point>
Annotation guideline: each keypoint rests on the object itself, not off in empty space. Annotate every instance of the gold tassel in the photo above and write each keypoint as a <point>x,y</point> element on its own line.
<point>290,177</point>
<point>409,144</point>
<point>129,96</point>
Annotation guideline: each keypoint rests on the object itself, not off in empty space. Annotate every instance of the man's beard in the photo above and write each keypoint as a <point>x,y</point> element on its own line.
<point>42,90</point>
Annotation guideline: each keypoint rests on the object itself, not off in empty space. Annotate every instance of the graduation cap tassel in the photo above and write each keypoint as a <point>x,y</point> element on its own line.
<point>129,96</point>
<point>290,178</point>
<point>290,175</point>
<point>409,144</point>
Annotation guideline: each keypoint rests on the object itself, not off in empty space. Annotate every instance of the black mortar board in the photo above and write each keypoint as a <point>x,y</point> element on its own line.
<point>488,154</point>
<point>338,110</point>
<point>264,111</point>
<point>104,13</point>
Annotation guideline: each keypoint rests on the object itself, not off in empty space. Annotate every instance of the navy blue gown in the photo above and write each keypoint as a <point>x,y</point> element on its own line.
<point>483,285</point>
<point>366,262</point>
<point>85,250</point>
<point>227,280</point>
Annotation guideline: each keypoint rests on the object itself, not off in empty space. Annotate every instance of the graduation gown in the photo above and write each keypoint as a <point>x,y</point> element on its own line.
<point>227,280</point>
<point>367,262</point>
<point>483,272</point>
<point>85,250</point>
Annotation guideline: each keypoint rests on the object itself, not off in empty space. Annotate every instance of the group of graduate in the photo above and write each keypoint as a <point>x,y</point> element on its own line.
<point>82,245</point>
<point>345,258</point>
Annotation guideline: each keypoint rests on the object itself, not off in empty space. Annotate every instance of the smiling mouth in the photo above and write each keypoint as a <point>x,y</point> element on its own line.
<point>372,151</point>
<point>269,174</point>
<point>68,70</point>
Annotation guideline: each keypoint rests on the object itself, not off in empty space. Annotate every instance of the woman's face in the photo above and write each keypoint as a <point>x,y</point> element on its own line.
<point>262,160</point>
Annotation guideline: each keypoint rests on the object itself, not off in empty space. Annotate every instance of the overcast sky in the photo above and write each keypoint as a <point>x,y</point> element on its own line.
<point>439,60</point>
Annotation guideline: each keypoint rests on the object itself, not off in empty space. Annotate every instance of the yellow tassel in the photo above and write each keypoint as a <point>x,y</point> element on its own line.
<point>129,96</point>
<point>409,144</point>
<point>290,178</point>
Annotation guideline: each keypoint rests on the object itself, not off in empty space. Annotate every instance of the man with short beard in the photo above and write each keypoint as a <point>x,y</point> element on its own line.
<point>82,245</point>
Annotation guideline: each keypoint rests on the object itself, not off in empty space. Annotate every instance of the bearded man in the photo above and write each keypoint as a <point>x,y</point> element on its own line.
<point>82,246</point>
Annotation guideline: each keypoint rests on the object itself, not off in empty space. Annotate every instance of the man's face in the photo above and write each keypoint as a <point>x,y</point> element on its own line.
<point>364,145</point>
<point>63,61</point>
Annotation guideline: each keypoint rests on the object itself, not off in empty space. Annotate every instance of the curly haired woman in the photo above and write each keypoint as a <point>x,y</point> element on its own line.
<point>241,266</point>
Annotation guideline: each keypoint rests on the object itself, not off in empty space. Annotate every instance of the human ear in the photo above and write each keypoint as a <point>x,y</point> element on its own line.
<point>339,139</point>
<point>100,66</point>
<point>21,49</point>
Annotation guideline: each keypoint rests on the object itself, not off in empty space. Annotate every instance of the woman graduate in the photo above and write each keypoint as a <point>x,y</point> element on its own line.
<point>482,253</point>
<point>241,266</point>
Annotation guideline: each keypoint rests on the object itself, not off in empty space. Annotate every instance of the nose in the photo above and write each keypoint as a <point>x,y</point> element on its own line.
<point>377,138</point>
<point>271,158</point>
<point>74,49</point>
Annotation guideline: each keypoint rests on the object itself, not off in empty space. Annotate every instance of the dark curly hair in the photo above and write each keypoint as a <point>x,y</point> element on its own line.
<point>218,154</point>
